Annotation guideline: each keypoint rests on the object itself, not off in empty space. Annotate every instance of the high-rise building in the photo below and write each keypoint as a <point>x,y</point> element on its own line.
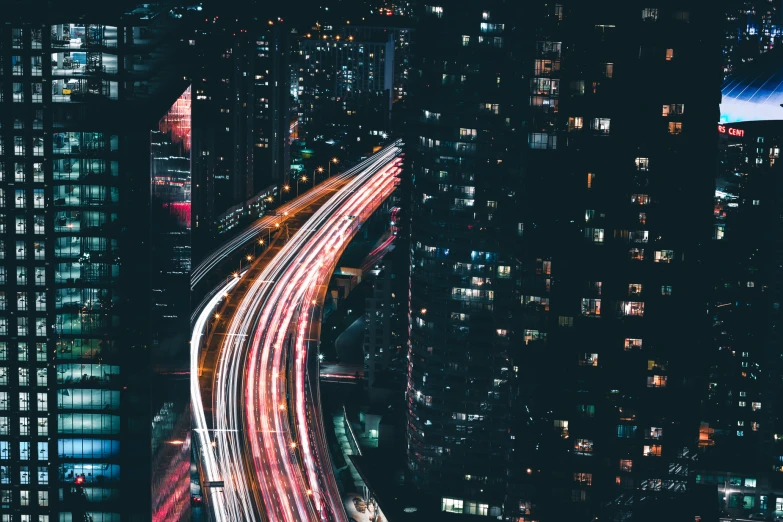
<point>751,29</point>
<point>83,95</point>
<point>400,31</point>
<point>562,178</point>
<point>741,449</point>
<point>742,453</point>
<point>462,164</point>
<point>345,78</point>
<point>615,215</point>
<point>243,110</point>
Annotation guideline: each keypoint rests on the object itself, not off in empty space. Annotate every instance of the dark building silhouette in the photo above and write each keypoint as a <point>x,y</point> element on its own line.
<point>463,162</point>
<point>741,446</point>
<point>561,158</point>
<point>242,108</point>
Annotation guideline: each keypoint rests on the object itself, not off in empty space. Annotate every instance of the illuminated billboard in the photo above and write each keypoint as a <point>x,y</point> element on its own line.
<point>754,96</point>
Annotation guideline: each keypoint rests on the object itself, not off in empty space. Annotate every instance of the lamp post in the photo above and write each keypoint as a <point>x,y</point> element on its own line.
<point>333,160</point>
<point>286,188</point>
<point>320,170</point>
<point>248,257</point>
<point>300,178</point>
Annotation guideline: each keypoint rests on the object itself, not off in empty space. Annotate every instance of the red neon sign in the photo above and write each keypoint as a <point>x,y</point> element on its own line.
<point>731,131</point>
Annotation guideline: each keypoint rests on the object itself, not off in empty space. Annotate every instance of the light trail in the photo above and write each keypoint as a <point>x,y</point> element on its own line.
<point>202,439</point>
<point>292,207</point>
<point>274,460</point>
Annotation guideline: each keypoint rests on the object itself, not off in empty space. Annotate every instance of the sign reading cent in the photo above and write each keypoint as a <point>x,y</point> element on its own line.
<point>731,131</point>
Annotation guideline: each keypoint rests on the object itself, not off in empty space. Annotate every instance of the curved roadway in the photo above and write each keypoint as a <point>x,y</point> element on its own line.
<point>270,449</point>
<point>265,222</point>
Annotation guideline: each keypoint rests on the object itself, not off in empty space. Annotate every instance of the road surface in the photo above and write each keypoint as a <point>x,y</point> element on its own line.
<point>267,446</point>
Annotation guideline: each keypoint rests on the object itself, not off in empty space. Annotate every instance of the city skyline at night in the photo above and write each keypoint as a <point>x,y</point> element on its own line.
<point>407,260</point>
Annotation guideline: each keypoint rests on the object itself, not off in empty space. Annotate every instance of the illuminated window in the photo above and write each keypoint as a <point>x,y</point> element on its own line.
<point>491,28</point>
<point>656,381</point>
<point>575,123</point>
<point>626,465</point>
<point>590,179</point>
<point>585,479</point>
<point>465,40</point>
<point>675,127</point>
<point>437,11</point>
<point>653,450</point>
<point>451,505</point>
<point>673,108</point>
<point>547,67</point>
<point>642,164</point>
<point>669,54</point>
<point>595,234</point>
<point>632,308</point>
<point>755,406</point>
<point>534,335</point>
<point>656,433</point>
<point>637,254</point>
<point>640,199</point>
<point>649,14</point>
<point>588,359</point>
<point>583,447</point>
<point>535,302</point>
<point>664,256</point>
<point>634,289</point>
<point>541,140</point>
<point>666,290</point>
<point>608,69</point>
<point>600,124</point>
<point>16,65</point>
<point>591,307</point>
<point>562,427</point>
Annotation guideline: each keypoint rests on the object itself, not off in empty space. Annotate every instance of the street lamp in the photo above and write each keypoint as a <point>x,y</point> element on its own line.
<point>320,170</point>
<point>300,178</point>
<point>333,160</point>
